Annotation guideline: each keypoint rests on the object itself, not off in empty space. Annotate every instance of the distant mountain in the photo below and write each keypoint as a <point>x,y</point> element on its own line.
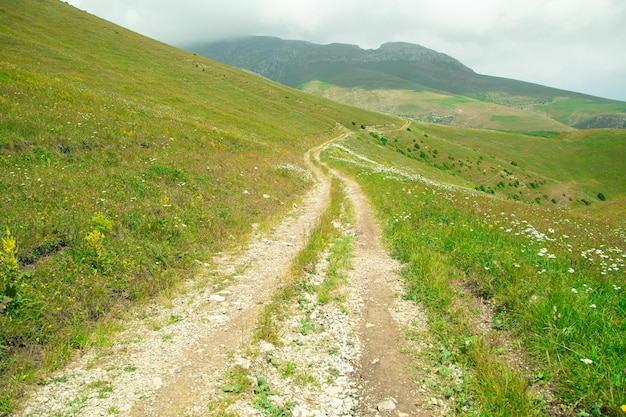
<point>405,66</point>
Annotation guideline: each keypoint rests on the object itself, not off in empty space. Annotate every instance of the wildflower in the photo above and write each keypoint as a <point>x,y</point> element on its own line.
<point>574,290</point>
<point>592,306</point>
<point>571,270</point>
<point>586,361</point>
<point>516,265</point>
<point>551,256</point>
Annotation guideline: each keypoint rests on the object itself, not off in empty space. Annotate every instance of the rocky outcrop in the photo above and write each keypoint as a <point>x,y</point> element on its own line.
<point>601,122</point>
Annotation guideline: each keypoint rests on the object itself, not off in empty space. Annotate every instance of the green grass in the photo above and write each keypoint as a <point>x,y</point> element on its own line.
<point>124,160</point>
<point>572,111</point>
<point>556,281</point>
<point>568,167</point>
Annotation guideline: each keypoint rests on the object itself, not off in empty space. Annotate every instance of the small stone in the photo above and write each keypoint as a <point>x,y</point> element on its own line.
<point>434,401</point>
<point>336,403</point>
<point>348,403</point>
<point>334,391</point>
<point>387,404</point>
<point>267,347</point>
<point>217,298</point>
<point>375,361</point>
<point>243,362</point>
<point>300,411</point>
<point>368,325</point>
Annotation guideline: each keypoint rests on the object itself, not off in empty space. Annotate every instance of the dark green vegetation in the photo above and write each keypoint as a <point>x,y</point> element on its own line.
<point>527,300</point>
<point>123,160</point>
<point>426,85</point>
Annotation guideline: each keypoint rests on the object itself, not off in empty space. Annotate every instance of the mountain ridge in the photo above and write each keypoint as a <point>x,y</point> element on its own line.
<point>240,51</point>
<point>407,66</point>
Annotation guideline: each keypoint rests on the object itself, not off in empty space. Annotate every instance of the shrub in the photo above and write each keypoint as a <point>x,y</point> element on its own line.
<point>601,197</point>
<point>9,272</point>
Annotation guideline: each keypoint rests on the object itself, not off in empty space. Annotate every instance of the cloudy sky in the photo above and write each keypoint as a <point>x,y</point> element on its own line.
<point>578,45</point>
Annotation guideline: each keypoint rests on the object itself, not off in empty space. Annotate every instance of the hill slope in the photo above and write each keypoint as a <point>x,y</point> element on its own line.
<point>402,66</point>
<point>123,161</point>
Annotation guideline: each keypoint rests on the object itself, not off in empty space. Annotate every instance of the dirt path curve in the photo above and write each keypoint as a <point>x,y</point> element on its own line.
<point>169,360</point>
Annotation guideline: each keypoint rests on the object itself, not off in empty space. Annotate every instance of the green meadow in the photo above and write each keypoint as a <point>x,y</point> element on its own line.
<point>551,279</point>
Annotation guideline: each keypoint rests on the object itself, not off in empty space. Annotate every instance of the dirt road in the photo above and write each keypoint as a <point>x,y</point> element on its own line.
<point>175,358</point>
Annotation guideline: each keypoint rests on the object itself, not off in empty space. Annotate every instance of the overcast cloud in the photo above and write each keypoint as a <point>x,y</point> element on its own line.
<point>578,45</point>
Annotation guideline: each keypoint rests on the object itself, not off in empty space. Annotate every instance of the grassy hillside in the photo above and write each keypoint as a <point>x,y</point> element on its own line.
<point>526,302</point>
<point>567,170</point>
<point>437,107</point>
<point>123,162</point>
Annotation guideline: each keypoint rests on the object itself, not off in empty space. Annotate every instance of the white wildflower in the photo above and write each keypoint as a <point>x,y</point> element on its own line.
<point>586,361</point>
